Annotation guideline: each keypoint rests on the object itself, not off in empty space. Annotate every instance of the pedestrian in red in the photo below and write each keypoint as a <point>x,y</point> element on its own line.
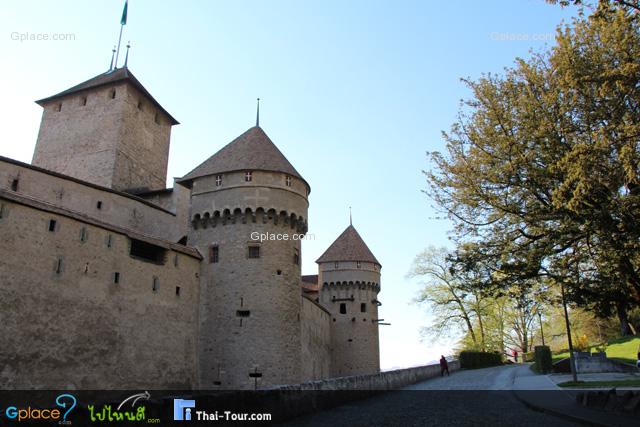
<point>444,366</point>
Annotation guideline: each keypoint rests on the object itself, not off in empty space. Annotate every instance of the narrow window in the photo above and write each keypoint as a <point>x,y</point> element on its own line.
<point>214,254</point>
<point>1,211</point>
<point>343,308</point>
<point>358,265</point>
<point>140,105</point>
<point>59,266</point>
<point>243,313</point>
<point>218,180</point>
<point>52,225</point>
<point>83,101</point>
<point>112,95</point>
<point>155,285</point>
<point>363,307</point>
<point>156,118</point>
<point>177,291</point>
<point>99,204</point>
<point>287,181</point>
<point>59,107</point>
<point>336,264</point>
<point>248,176</point>
<point>116,277</point>
<point>296,256</point>
<point>14,184</point>
<point>83,234</point>
<point>254,251</point>
<point>175,260</point>
<point>109,241</point>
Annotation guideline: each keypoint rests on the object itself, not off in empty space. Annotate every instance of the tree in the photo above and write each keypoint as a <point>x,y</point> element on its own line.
<point>540,174</point>
<point>452,304</point>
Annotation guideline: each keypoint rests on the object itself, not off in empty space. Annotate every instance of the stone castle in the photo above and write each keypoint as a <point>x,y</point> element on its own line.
<point>110,280</point>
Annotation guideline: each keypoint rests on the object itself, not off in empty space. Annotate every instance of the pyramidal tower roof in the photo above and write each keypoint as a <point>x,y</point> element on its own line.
<point>253,150</point>
<point>110,77</point>
<point>349,246</point>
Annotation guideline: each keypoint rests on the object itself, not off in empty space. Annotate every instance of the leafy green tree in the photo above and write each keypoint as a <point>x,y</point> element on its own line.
<point>540,174</point>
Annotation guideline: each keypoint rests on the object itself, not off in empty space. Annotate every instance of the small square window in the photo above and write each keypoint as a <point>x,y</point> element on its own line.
<point>52,225</point>
<point>116,277</point>
<point>214,254</point>
<point>140,105</point>
<point>358,264</point>
<point>59,107</point>
<point>248,176</point>
<point>287,181</point>
<point>254,251</point>
<point>336,264</point>
<point>343,308</point>
<point>112,94</point>
<point>99,205</point>
<point>243,313</point>
<point>83,101</point>
<point>177,291</point>
<point>218,180</point>
<point>14,184</point>
<point>363,307</point>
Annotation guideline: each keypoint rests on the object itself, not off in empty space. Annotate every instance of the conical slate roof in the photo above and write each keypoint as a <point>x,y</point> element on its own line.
<point>110,77</point>
<point>253,150</point>
<point>349,246</point>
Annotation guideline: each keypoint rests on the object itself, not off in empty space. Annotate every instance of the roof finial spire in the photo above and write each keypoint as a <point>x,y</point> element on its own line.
<point>350,219</point>
<point>258,114</point>
<point>126,58</point>
<point>113,54</point>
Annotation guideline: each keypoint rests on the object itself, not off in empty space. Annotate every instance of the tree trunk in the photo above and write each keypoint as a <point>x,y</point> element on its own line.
<point>623,318</point>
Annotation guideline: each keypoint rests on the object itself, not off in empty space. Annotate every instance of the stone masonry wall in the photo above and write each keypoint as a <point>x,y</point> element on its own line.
<point>66,323</point>
<point>315,337</point>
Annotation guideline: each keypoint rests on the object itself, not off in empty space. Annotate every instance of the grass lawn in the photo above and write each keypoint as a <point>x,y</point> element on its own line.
<point>599,384</point>
<point>623,350</point>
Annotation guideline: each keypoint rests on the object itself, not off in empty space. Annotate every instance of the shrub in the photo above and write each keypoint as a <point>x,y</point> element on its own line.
<point>543,358</point>
<point>529,357</point>
<point>479,359</point>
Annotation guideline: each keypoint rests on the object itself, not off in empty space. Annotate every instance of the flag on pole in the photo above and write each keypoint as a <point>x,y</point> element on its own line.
<point>123,20</point>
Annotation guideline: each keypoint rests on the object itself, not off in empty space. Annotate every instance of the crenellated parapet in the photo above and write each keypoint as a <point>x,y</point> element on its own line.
<point>249,215</point>
<point>344,285</point>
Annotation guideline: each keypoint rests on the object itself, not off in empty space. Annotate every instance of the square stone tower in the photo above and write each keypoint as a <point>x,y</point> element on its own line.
<point>108,131</point>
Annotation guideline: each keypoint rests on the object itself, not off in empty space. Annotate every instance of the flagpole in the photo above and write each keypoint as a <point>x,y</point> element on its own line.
<point>119,40</point>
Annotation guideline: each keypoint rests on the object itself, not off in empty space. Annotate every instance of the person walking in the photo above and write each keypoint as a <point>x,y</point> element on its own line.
<point>444,366</point>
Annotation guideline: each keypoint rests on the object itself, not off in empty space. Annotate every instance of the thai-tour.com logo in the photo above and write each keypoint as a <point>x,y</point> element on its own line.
<point>57,413</point>
<point>185,410</point>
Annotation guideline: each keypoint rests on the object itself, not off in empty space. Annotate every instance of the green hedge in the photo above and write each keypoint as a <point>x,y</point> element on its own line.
<point>529,357</point>
<point>543,359</point>
<point>479,359</point>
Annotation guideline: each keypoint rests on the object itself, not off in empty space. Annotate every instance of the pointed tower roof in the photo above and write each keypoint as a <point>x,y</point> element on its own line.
<point>349,246</point>
<point>253,150</point>
<point>110,77</point>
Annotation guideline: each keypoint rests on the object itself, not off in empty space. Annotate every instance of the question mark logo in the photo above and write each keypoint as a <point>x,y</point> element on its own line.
<point>64,405</point>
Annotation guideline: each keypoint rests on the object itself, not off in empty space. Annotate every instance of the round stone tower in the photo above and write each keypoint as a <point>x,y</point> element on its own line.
<point>349,276</point>
<point>248,213</point>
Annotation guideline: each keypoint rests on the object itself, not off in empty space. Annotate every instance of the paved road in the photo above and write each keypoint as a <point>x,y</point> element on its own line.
<point>479,397</point>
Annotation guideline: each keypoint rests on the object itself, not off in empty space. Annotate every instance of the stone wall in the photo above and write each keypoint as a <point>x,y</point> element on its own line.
<point>67,324</point>
<point>103,204</point>
<point>315,337</point>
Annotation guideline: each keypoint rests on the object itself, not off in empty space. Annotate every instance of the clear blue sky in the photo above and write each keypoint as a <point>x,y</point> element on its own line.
<point>353,93</point>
